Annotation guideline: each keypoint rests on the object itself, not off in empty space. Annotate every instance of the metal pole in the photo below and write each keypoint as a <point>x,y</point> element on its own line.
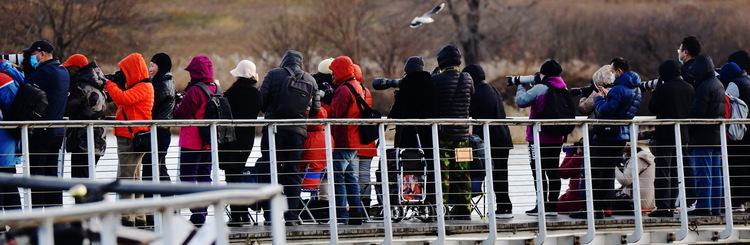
<point>110,223</point>
<point>45,233</point>
<point>272,154</point>
<point>167,225</point>
<point>440,207</point>
<point>278,231</point>
<point>332,216</point>
<point>542,235</point>
<point>727,232</point>
<point>638,233</point>
<point>26,166</point>
<point>387,222</point>
<point>682,194</point>
<point>91,151</point>
<point>488,184</point>
<point>591,228</point>
<point>214,155</point>
<point>155,174</point>
<point>222,232</point>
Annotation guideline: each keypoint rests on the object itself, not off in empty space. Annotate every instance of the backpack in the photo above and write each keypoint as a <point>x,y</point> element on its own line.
<point>29,104</point>
<point>87,100</point>
<point>367,133</point>
<point>217,108</point>
<point>558,104</point>
<point>736,109</point>
<point>295,97</point>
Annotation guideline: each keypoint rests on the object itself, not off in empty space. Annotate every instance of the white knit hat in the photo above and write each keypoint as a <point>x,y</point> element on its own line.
<point>323,66</point>
<point>245,69</point>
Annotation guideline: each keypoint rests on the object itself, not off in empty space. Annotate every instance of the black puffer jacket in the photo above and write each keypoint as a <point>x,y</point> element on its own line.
<point>414,99</point>
<point>86,101</point>
<point>453,90</point>
<point>272,85</point>
<point>709,102</point>
<point>671,100</point>
<point>164,97</point>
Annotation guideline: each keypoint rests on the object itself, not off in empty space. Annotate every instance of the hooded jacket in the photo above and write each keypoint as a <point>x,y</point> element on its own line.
<point>193,106</point>
<point>737,79</point>
<point>52,78</point>
<point>415,100</point>
<point>453,90</point>
<point>8,142</point>
<point>273,83</point>
<point>671,100</point>
<point>709,102</point>
<point>535,98</point>
<point>86,101</point>
<point>646,176</point>
<point>487,103</point>
<point>137,100</point>
<point>622,102</point>
<point>344,104</point>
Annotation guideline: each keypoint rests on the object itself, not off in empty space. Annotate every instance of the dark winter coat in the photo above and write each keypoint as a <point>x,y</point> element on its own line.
<point>272,85</point>
<point>86,101</point>
<point>244,98</point>
<point>671,100</point>
<point>52,78</point>
<point>709,102</point>
<point>487,103</point>
<point>738,84</point>
<point>164,97</point>
<point>686,74</point>
<point>415,99</point>
<point>622,102</point>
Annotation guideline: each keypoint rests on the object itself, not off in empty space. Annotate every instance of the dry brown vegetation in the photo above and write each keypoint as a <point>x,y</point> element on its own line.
<point>508,37</point>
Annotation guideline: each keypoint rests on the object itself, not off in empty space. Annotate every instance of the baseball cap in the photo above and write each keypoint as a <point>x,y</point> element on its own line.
<point>40,45</point>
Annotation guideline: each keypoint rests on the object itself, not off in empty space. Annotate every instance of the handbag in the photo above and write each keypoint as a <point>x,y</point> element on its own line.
<point>141,140</point>
<point>367,133</point>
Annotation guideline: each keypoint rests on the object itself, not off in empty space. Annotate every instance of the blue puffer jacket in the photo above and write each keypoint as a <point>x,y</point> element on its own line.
<point>622,102</point>
<point>8,142</point>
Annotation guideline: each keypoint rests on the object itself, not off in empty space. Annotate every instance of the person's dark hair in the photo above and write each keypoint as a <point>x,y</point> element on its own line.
<point>692,45</point>
<point>620,63</point>
<point>243,82</point>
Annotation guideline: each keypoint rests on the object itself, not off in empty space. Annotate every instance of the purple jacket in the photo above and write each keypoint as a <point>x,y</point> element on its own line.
<point>193,105</point>
<point>535,98</point>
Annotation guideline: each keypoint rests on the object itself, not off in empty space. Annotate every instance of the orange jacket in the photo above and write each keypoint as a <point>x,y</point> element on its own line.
<point>137,100</point>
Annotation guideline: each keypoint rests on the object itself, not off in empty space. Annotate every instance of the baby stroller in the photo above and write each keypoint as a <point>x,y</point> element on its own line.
<point>407,184</point>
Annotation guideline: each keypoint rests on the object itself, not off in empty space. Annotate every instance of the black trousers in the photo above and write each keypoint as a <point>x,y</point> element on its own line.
<point>45,151</point>
<point>79,164</point>
<point>163,138</point>
<point>500,178</point>
<point>665,182</point>
<point>550,155</point>
<point>739,172</point>
<point>605,155</point>
<point>289,147</point>
<point>9,196</point>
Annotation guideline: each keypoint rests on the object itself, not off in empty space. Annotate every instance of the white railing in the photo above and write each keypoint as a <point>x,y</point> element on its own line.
<point>434,123</point>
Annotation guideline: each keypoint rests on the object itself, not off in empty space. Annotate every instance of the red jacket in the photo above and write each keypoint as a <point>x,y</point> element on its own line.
<point>138,99</point>
<point>314,154</point>
<point>344,105</point>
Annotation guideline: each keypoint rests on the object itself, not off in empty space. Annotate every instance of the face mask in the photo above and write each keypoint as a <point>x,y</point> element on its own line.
<point>34,62</point>
<point>612,78</point>
<point>680,60</point>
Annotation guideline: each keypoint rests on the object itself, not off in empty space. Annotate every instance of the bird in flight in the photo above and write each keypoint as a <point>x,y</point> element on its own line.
<point>427,17</point>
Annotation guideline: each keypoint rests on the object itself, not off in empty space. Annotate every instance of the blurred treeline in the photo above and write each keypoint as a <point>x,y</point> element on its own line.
<point>507,37</point>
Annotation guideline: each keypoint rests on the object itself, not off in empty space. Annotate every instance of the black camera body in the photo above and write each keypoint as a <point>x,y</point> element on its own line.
<point>385,83</point>
<point>118,78</point>
<point>583,91</point>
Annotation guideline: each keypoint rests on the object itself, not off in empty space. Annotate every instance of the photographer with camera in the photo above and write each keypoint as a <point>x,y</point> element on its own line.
<point>535,97</point>
<point>45,143</point>
<point>133,93</point>
<point>602,78</point>
<point>671,100</point>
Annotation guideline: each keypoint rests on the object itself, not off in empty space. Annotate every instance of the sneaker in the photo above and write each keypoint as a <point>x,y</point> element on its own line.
<point>740,210</point>
<point>550,214</point>
<point>503,214</point>
<point>532,212</point>
<point>691,207</point>
<point>661,213</point>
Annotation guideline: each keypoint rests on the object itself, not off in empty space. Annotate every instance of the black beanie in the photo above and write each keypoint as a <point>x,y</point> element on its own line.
<point>551,68</point>
<point>476,72</point>
<point>449,56</point>
<point>669,69</point>
<point>414,64</point>
<point>741,58</point>
<point>163,61</point>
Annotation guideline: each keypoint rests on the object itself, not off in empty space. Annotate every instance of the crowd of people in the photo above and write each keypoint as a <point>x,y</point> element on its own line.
<point>79,90</point>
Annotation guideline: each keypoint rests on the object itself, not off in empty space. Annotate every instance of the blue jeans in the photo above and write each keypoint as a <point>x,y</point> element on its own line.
<point>708,182</point>
<point>345,179</point>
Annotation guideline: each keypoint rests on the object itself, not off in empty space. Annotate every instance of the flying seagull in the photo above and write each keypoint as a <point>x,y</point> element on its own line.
<point>426,18</point>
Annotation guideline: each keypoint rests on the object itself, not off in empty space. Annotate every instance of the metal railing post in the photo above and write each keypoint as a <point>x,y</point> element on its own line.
<point>278,231</point>
<point>332,216</point>
<point>110,222</point>
<point>536,149</point>
<point>590,227</point>
<point>387,222</point>
<point>727,232</point>
<point>440,206</point>
<point>91,151</point>
<point>272,154</point>
<point>155,174</point>
<point>26,165</point>
<point>638,233</point>
<point>167,226</point>
<point>222,232</point>
<point>214,156</point>
<point>682,194</point>
<point>46,233</point>
<point>490,198</point>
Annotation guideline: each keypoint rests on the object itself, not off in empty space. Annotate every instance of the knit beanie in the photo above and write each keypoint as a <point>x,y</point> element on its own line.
<point>476,72</point>
<point>449,56</point>
<point>741,58</point>
<point>165,65</point>
<point>323,66</point>
<point>414,64</point>
<point>551,68</point>
<point>603,76</point>
<point>669,69</point>
<point>342,68</point>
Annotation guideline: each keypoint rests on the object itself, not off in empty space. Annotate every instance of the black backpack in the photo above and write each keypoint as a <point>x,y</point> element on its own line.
<point>217,108</point>
<point>30,103</point>
<point>294,97</point>
<point>367,133</point>
<point>558,104</point>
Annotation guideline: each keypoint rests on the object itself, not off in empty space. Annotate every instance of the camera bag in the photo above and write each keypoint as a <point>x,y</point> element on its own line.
<point>558,104</point>
<point>217,108</point>
<point>367,133</point>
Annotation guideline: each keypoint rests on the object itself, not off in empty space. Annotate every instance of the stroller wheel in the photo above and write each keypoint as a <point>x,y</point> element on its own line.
<point>426,213</point>
<point>397,213</point>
